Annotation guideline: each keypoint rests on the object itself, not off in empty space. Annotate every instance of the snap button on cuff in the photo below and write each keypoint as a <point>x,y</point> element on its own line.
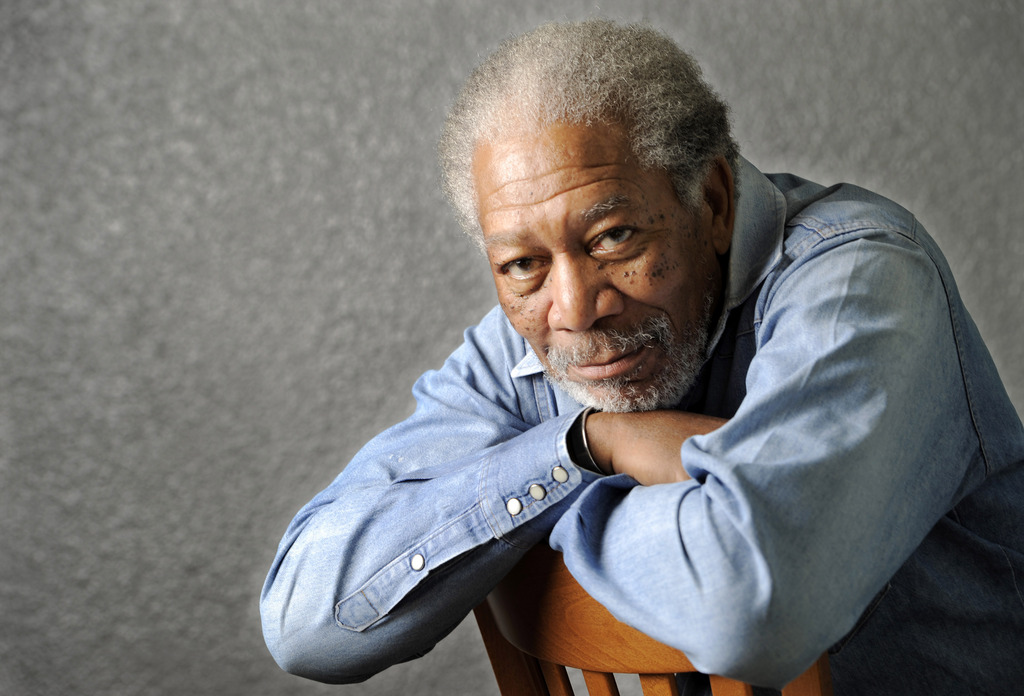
<point>537,492</point>
<point>418,562</point>
<point>560,474</point>
<point>513,506</point>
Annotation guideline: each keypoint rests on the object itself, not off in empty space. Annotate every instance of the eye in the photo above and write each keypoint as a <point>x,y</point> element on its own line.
<point>612,239</point>
<point>520,269</point>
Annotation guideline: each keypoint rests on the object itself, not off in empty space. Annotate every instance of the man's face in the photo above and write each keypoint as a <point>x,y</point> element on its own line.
<point>599,266</point>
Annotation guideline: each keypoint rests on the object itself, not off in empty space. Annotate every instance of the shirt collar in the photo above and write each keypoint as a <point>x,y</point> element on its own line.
<point>757,233</point>
<point>529,365</point>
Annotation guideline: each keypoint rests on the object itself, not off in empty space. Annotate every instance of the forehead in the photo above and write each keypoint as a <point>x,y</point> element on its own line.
<point>529,171</point>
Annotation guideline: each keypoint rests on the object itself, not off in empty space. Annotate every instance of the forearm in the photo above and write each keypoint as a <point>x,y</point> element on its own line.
<point>383,563</point>
<point>644,445</point>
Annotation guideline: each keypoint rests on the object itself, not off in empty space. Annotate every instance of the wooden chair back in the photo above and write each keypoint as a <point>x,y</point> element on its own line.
<point>539,621</point>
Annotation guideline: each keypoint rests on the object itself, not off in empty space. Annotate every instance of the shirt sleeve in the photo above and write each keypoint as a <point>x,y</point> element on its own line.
<point>850,444</point>
<point>438,507</point>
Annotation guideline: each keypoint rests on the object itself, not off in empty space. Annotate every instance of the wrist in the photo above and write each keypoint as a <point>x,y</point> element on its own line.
<point>579,445</point>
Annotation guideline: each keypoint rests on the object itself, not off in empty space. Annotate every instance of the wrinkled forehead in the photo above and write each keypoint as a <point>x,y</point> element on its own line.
<point>528,163</point>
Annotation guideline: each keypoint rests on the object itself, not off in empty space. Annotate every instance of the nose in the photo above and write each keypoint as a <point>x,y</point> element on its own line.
<point>581,294</point>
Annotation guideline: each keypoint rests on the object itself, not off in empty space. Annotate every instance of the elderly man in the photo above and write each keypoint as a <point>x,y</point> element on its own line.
<point>860,487</point>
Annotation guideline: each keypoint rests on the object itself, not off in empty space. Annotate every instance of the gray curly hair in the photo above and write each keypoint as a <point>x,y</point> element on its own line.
<point>586,73</point>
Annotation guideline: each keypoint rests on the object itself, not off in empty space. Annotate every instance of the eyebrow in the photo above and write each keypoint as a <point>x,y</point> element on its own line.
<point>602,208</point>
<point>589,216</point>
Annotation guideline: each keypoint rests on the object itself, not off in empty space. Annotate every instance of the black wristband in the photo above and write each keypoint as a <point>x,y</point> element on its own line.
<point>579,450</point>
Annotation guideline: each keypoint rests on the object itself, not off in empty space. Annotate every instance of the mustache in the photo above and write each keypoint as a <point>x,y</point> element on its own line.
<point>652,331</point>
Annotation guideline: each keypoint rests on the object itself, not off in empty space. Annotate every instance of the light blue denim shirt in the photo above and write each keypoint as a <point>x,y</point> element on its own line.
<point>867,493</point>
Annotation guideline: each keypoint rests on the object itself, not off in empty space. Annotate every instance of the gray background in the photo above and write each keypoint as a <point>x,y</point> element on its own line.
<point>225,259</point>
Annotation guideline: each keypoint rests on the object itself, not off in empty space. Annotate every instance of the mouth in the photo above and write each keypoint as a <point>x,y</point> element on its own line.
<point>620,366</point>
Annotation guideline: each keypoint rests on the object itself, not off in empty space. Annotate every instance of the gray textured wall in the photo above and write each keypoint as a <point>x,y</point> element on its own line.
<point>224,261</point>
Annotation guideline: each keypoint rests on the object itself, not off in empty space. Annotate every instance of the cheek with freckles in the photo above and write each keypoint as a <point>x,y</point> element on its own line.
<point>527,318</point>
<point>663,266</point>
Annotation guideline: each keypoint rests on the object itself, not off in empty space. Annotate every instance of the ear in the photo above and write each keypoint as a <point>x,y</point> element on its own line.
<point>719,197</point>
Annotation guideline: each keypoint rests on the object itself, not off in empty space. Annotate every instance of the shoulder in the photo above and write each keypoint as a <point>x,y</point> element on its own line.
<point>493,364</point>
<point>845,247</point>
<point>493,342</point>
<point>839,213</point>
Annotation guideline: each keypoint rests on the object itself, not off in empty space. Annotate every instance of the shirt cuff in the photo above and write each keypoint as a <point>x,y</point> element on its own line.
<point>519,485</point>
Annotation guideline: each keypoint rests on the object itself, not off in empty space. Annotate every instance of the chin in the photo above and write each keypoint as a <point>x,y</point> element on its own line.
<point>626,397</point>
<point>668,379</point>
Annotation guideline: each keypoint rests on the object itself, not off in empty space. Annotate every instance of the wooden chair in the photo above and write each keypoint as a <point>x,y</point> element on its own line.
<point>539,621</point>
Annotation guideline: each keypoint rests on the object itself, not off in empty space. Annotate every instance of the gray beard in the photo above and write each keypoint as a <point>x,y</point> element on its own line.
<point>619,394</point>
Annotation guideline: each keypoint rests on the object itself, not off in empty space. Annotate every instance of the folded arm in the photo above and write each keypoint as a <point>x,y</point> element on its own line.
<point>797,510</point>
<point>423,522</point>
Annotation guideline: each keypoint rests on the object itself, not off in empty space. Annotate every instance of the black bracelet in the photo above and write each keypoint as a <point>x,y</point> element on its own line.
<point>579,449</point>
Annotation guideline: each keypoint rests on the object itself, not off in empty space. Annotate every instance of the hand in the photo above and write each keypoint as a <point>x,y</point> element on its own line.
<point>645,444</point>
